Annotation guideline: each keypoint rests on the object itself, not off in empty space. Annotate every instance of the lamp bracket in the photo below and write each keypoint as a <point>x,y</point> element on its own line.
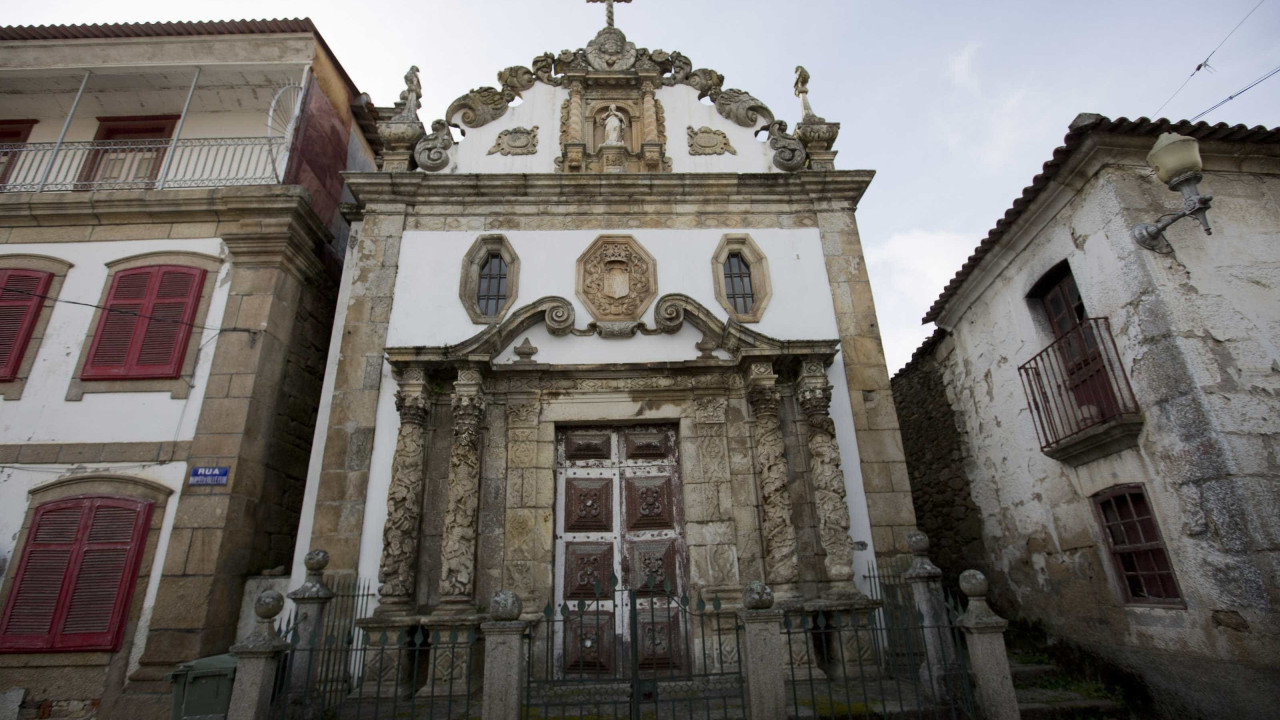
<point>1151,235</point>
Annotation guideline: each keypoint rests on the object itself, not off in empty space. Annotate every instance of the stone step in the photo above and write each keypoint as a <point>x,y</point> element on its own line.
<point>1032,673</point>
<point>1050,704</point>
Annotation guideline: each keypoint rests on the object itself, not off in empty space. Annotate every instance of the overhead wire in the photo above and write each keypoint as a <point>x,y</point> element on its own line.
<point>120,311</point>
<point>1237,93</point>
<point>1204,64</point>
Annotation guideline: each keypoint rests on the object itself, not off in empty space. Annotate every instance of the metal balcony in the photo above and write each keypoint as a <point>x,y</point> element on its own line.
<point>141,164</point>
<point>1079,396</point>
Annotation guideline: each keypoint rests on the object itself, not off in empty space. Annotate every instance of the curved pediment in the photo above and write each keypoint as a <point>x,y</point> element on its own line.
<point>604,108</point>
<point>671,314</point>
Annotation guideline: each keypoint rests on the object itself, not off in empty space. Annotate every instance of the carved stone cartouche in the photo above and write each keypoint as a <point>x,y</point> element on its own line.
<point>516,141</point>
<point>617,278</point>
<point>707,141</point>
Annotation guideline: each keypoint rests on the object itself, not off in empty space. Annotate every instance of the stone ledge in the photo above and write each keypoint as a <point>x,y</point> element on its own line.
<point>1112,436</point>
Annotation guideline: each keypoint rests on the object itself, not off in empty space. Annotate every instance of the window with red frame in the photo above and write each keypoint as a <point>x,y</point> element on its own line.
<point>1138,551</point>
<point>72,587</point>
<point>144,327</point>
<point>12,133</point>
<point>21,298</point>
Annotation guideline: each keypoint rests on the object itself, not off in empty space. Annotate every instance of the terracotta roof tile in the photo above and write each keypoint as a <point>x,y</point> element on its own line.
<point>156,29</point>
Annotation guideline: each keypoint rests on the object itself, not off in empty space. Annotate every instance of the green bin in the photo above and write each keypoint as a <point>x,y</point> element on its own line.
<point>202,688</point>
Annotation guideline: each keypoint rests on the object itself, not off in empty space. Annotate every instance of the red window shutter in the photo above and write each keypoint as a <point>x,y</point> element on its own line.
<point>143,332</point>
<point>21,298</point>
<point>76,577</point>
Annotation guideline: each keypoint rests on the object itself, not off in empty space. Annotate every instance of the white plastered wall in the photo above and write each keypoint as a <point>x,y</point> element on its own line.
<point>44,415</point>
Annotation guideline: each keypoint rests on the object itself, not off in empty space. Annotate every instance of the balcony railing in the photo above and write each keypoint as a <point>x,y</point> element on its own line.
<point>141,164</point>
<point>1077,383</point>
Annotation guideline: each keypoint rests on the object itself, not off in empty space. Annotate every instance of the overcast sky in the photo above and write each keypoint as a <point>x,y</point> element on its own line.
<point>955,105</point>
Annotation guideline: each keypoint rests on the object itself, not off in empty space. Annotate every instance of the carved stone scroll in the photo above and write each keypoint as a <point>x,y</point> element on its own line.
<point>788,152</point>
<point>397,570</point>
<point>828,480</point>
<point>781,566</point>
<point>480,106</point>
<point>740,107</point>
<point>432,151</point>
<point>458,546</point>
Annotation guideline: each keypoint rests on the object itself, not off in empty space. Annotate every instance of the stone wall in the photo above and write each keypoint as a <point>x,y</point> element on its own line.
<point>935,450</point>
<point>1196,336</point>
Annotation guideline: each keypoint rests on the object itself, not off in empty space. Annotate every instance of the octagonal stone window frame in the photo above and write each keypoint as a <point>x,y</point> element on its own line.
<point>472,264</point>
<point>591,271</point>
<point>757,263</point>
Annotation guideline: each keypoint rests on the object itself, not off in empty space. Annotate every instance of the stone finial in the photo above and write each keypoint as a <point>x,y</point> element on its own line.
<point>922,568</point>
<point>525,351</point>
<point>979,617</point>
<point>505,607</point>
<point>974,583</point>
<point>268,605</point>
<point>757,596</point>
<point>265,639</point>
<point>313,588</point>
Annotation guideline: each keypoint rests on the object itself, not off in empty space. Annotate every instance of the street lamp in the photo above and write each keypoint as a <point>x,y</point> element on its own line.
<point>1176,160</point>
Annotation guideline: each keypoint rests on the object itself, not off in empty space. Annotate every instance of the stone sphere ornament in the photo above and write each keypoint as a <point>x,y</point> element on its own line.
<point>505,607</point>
<point>316,561</point>
<point>268,605</point>
<point>973,583</point>
<point>757,596</point>
<point>918,542</point>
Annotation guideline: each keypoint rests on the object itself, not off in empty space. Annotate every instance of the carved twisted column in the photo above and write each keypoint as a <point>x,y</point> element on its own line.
<point>814,394</point>
<point>573,134</point>
<point>398,569</point>
<point>458,547</point>
<point>781,566</point>
<point>650,114</point>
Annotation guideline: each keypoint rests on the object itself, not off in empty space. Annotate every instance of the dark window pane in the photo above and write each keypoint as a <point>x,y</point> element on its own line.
<point>491,290</point>
<point>737,283</point>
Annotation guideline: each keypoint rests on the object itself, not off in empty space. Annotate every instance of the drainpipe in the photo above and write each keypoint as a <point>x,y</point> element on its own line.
<point>177,132</point>
<point>62,135</point>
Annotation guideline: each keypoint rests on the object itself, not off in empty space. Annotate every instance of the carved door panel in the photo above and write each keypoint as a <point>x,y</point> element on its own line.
<point>618,521</point>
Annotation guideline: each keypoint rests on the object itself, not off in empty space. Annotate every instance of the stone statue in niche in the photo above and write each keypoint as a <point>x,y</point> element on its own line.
<point>614,125</point>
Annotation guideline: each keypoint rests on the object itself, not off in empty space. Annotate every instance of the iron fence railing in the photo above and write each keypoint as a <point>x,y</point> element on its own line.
<point>141,164</point>
<point>877,662</point>
<point>646,653</point>
<point>1077,383</point>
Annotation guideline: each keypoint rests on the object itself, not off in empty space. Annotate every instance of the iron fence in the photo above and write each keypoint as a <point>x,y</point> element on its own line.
<point>882,662</point>
<point>644,653</point>
<point>1077,383</point>
<point>141,164</point>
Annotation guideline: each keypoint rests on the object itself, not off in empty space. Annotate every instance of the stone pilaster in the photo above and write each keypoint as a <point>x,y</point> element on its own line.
<point>398,568</point>
<point>814,394</point>
<point>713,554</point>
<point>458,547</point>
<point>781,567</point>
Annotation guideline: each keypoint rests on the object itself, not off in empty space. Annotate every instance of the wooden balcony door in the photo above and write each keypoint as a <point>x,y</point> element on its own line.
<point>1079,352</point>
<point>127,164</point>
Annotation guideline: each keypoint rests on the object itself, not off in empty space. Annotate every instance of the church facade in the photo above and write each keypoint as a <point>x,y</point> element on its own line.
<point>607,337</point>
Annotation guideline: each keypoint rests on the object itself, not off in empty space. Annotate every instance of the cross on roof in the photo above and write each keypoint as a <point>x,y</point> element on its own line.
<point>608,9</point>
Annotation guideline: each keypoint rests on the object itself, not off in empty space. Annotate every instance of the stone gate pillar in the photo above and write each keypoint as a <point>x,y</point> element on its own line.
<point>814,394</point>
<point>781,566</point>
<point>458,546</point>
<point>398,568</point>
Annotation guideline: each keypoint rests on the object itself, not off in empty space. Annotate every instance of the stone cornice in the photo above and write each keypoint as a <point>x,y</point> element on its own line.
<point>262,225</point>
<point>423,189</point>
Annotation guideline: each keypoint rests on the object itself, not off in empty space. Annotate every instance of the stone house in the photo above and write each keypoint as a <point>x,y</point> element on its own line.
<point>1095,421</point>
<point>606,335</point>
<point>170,252</point>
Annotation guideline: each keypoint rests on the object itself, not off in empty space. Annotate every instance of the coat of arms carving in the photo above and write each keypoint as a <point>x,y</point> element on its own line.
<point>617,278</point>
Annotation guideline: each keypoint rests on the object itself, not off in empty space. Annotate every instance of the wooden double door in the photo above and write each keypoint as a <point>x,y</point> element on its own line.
<point>621,557</point>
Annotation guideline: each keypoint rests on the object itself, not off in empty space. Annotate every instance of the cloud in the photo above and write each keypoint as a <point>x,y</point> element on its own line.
<point>960,67</point>
<point>907,272</point>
